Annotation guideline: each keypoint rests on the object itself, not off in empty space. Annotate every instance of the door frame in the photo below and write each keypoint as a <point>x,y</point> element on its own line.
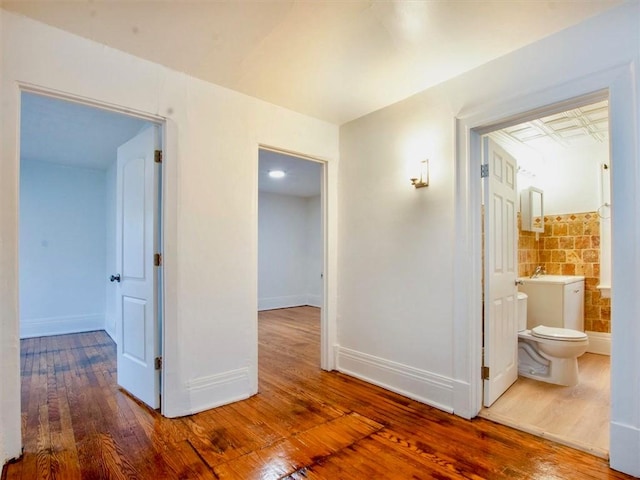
<point>327,317</point>
<point>160,296</point>
<point>620,84</point>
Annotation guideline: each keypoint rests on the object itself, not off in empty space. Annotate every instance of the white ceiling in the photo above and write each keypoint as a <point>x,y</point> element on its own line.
<point>331,59</point>
<point>554,135</point>
<point>66,133</point>
<point>585,125</point>
<point>303,177</point>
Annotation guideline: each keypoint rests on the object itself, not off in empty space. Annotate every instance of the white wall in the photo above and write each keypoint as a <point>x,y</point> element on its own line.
<point>403,308</point>
<point>571,181</point>
<point>289,251</point>
<point>569,177</point>
<point>210,174</point>
<point>62,249</point>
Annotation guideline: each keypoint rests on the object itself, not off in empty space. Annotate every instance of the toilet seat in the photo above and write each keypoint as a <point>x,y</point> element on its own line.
<point>554,333</point>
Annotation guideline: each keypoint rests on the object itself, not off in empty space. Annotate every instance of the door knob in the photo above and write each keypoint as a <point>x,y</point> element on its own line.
<point>115,278</point>
<point>519,282</point>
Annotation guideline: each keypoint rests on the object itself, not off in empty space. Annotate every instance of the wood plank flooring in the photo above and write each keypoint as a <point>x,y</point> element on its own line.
<point>303,424</point>
<point>576,416</point>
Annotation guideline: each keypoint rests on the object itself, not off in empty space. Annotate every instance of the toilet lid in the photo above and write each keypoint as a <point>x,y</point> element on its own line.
<point>554,333</point>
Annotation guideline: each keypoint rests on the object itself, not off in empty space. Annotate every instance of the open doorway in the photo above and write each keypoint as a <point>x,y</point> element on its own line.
<point>291,253</point>
<point>89,233</point>
<point>565,156</point>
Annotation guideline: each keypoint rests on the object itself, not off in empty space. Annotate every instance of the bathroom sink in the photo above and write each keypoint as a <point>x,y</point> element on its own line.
<point>564,279</point>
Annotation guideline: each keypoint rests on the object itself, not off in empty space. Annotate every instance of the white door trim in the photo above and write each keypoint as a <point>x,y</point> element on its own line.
<point>621,84</point>
<point>167,242</point>
<point>329,239</point>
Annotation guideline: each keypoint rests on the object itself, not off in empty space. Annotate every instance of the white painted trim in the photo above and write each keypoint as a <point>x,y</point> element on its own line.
<point>272,303</point>
<point>232,386</point>
<point>624,447</point>
<point>599,343</point>
<point>168,233</point>
<point>420,385</point>
<point>47,326</point>
<point>618,81</point>
<point>329,215</point>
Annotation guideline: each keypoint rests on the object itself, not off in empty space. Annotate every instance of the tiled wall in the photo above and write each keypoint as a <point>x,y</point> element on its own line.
<point>570,245</point>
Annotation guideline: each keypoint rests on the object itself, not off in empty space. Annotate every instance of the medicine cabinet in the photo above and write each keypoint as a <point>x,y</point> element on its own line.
<point>532,209</point>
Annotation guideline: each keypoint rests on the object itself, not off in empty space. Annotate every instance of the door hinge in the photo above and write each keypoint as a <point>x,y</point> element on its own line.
<point>157,156</point>
<point>157,259</point>
<point>484,170</point>
<point>158,363</point>
<point>485,373</point>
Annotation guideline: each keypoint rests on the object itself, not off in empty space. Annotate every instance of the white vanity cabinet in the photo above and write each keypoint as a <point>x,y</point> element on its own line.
<point>555,301</point>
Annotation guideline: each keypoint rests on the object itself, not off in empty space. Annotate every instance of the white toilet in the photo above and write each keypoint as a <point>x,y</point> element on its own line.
<point>545,353</point>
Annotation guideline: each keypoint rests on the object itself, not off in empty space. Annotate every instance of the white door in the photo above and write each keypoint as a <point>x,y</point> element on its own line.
<point>137,240</point>
<point>500,290</point>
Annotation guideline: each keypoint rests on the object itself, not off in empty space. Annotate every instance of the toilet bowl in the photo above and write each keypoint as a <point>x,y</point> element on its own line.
<point>548,354</point>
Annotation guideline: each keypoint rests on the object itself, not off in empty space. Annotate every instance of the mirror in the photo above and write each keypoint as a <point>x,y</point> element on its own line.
<point>532,209</point>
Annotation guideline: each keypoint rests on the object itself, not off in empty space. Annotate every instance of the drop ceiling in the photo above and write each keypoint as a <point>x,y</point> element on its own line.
<point>330,59</point>
<point>561,135</point>
<point>581,126</point>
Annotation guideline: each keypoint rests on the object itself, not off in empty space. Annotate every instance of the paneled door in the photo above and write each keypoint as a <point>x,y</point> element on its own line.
<point>500,272</point>
<point>137,236</point>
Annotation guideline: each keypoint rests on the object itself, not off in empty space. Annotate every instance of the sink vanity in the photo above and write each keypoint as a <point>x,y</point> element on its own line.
<point>555,300</point>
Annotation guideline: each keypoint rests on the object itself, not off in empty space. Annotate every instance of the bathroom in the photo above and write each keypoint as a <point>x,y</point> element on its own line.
<point>566,156</point>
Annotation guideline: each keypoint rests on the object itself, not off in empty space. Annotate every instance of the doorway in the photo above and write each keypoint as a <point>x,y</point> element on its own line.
<point>566,156</point>
<point>291,237</point>
<point>70,199</point>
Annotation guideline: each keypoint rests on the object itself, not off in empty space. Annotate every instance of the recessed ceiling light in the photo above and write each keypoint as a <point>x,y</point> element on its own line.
<point>276,173</point>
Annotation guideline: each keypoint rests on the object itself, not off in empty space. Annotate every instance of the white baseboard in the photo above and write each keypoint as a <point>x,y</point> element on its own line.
<point>420,385</point>
<point>217,390</point>
<point>112,334</point>
<point>272,303</point>
<point>599,343</point>
<point>623,448</point>
<point>44,327</point>
<point>462,400</point>
<point>314,300</point>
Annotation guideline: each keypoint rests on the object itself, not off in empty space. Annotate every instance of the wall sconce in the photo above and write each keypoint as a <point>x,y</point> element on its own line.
<point>423,179</point>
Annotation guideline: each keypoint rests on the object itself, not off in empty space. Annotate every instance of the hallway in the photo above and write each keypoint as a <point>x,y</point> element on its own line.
<point>304,423</point>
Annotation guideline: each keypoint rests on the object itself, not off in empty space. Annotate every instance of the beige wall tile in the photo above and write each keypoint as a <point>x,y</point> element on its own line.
<point>570,246</point>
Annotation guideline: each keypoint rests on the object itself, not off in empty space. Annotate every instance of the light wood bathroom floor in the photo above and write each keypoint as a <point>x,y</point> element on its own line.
<point>575,416</point>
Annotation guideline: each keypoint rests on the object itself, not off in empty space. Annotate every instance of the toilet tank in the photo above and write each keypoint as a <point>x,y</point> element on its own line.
<point>555,301</point>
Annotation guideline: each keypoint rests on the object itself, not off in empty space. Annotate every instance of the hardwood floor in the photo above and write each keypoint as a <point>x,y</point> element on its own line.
<point>303,424</point>
<point>575,416</point>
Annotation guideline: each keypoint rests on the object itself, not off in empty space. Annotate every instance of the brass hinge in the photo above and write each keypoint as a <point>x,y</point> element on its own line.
<point>485,373</point>
<point>157,156</point>
<point>157,259</point>
<point>158,363</point>
<point>484,170</point>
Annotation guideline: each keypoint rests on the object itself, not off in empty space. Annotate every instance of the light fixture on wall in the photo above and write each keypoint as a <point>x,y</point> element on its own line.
<point>276,173</point>
<point>423,179</point>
